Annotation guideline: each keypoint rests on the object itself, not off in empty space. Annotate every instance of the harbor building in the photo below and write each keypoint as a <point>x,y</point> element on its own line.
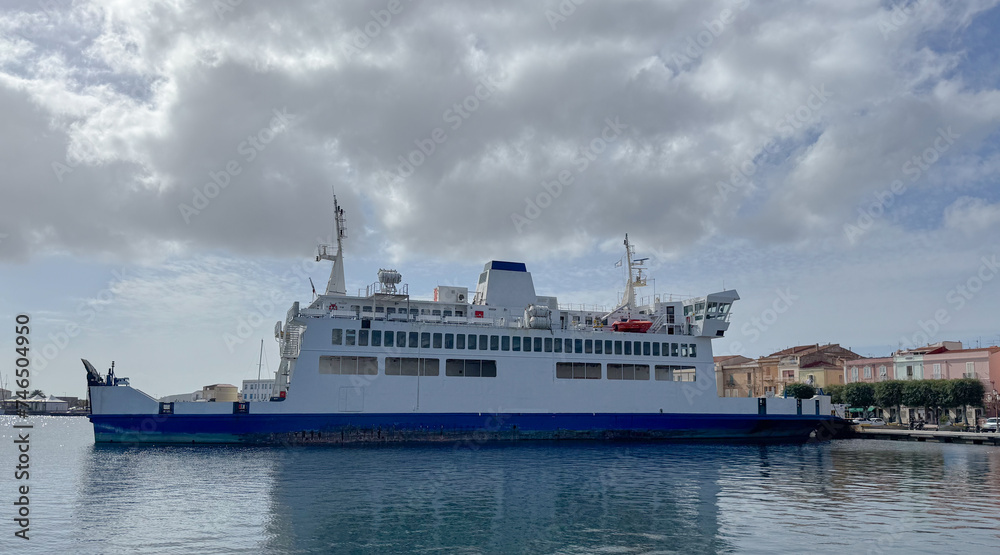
<point>256,390</point>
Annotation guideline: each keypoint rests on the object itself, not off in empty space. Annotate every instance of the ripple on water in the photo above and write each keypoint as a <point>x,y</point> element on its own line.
<point>868,496</point>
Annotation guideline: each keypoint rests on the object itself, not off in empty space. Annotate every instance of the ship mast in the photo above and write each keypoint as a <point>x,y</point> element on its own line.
<point>635,279</point>
<point>336,285</point>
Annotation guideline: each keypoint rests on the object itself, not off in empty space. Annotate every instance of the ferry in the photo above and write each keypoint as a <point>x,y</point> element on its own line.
<point>500,363</point>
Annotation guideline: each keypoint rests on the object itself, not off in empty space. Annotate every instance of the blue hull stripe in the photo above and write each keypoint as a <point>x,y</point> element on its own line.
<point>366,427</point>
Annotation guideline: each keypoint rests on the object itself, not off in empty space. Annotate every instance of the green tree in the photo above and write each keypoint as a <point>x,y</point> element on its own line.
<point>836,393</point>
<point>968,391</point>
<point>917,394</point>
<point>859,394</point>
<point>890,394</point>
<point>800,390</point>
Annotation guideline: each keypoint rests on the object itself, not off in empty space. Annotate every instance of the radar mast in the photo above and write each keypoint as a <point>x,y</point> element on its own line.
<point>336,285</point>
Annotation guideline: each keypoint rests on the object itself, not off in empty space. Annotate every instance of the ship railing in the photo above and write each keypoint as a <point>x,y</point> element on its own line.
<point>582,307</point>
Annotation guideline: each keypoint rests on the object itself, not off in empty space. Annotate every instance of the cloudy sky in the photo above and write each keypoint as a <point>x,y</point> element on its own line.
<point>167,167</point>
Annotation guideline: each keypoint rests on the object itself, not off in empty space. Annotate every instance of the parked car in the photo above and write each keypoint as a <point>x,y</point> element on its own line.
<point>991,425</point>
<point>876,422</point>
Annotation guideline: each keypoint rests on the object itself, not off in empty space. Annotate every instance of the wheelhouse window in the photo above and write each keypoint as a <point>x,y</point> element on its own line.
<point>351,338</point>
<point>338,337</point>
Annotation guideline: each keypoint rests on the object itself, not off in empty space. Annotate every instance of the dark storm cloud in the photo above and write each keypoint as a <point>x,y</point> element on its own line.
<point>455,128</point>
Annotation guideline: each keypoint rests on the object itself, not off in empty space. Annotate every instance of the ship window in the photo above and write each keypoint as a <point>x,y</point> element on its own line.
<point>656,349</point>
<point>568,344</point>
<point>673,349</point>
<point>578,370</point>
<point>379,310</point>
<point>406,366</point>
<point>637,348</point>
<point>338,337</point>
<point>482,342</point>
<point>645,348</point>
<point>515,343</point>
<point>538,345</point>
<point>684,349</point>
<point>618,347</point>
<point>355,308</point>
<point>376,338</point>
<point>366,309</point>
<point>598,347</point>
<point>607,347</point>
<point>349,340</point>
<point>449,341</point>
<point>390,310</point>
<point>348,365</point>
<point>435,312</point>
<point>425,340</point>
<point>388,338</point>
<point>472,341</point>
<point>400,339</point>
<point>589,321</point>
<point>557,345</point>
<point>628,371</point>
<point>436,341</point>
<point>628,347</point>
<point>414,311</point>
<point>666,374</point>
<point>413,340</point>
<point>460,341</point>
<point>459,313</point>
<point>691,350</point>
<point>505,343</point>
<point>494,342</point>
<point>471,368</point>
<point>588,346</point>
<point>446,313</point>
<point>577,345</point>
<point>526,344</point>
<point>548,344</point>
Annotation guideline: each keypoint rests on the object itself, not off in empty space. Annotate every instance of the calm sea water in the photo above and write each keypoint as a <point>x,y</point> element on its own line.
<point>841,497</point>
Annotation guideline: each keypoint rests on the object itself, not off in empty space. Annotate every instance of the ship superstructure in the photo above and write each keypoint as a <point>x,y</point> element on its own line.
<point>500,360</point>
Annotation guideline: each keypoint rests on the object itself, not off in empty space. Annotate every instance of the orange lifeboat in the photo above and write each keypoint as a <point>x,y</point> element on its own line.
<point>632,326</point>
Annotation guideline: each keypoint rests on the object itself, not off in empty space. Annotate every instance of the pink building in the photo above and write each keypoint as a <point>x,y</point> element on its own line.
<point>869,370</point>
<point>982,364</point>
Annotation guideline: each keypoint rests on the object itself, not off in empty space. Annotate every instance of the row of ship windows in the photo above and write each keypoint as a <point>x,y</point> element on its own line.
<point>476,368</point>
<point>483,342</point>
